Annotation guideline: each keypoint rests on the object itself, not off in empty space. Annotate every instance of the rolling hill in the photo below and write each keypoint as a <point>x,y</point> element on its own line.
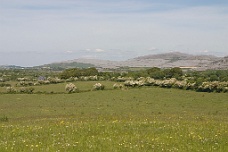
<point>220,64</point>
<point>165,60</point>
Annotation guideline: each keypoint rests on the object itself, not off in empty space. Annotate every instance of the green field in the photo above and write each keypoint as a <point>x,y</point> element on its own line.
<point>138,119</point>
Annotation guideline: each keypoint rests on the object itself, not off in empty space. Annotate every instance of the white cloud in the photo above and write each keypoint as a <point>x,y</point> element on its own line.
<point>99,50</point>
<point>58,25</point>
<point>69,51</point>
<point>201,51</point>
<point>95,50</point>
<point>205,51</point>
<point>88,50</point>
<point>153,49</point>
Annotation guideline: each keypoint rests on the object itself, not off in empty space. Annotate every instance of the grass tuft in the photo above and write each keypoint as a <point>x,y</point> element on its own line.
<point>4,118</point>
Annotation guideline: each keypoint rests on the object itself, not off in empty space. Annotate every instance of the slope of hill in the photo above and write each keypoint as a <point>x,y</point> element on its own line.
<point>11,67</point>
<point>174,59</point>
<point>220,64</point>
<point>166,60</point>
<point>98,63</point>
<point>66,65</point>
<point>165,56</point>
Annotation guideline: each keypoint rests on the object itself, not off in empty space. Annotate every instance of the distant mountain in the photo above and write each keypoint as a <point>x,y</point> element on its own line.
<point>53,66</point>
<point>173,59</point>
<point>220,64</point>
<point>11,67</point>
<point>165,56</point>
<point>66,65</point>
<point>165,60</point>
<point>99,63</point>
<point>178,56</point>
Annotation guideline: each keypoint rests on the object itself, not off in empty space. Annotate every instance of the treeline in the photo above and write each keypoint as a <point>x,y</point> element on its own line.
<point>14,74</point>
<point>193,76</point>
<point>208,75</point>
<point>77,72</point>
<point>156,73</point>
<point>206,81</point>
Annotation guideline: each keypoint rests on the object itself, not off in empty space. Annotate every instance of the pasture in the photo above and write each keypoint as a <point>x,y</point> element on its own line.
<point>136,119</point>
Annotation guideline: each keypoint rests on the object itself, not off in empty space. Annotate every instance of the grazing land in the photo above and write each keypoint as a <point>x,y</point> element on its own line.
<point>132,119</point>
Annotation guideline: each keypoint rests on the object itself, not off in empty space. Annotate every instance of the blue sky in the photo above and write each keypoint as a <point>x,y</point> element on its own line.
<point>36,32</point>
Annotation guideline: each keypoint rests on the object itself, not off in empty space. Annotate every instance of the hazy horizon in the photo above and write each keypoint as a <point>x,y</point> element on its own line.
<point>40,32</point>
<point>58,57</point>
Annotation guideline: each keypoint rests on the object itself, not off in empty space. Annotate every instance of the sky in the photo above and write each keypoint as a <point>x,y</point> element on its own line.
<point>35,32</point>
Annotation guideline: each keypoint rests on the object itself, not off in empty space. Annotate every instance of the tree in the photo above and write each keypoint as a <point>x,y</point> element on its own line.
<point>173,73</point>
<point>76,72</point>
<point>156,73</point>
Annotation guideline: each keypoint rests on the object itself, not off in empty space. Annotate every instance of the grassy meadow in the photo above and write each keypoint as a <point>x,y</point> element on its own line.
<point>136,119</point>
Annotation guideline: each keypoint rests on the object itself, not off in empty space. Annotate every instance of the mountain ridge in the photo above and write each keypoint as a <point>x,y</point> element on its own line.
<point>163,60</point>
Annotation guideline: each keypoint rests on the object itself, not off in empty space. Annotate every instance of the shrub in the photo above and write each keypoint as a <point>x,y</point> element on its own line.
<point>54,80</point>
<point>11,90</point>
<point>43,82</point>
<point>130,83</point>
<point>98,86</point>
<point>5,85</point>
<point>180,84</point>
<point>214,86</point>
<point>70,88</point>
<point>4,119</point>
<point>71,79</point>
<point>26,90</point>
<point>149,81</point>
<point>117,86</point>
<point>22,79</point>
<point>36,83</point>
<point>168,83</point>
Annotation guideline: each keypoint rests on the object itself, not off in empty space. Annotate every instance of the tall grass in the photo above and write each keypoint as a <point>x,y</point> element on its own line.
<point>144,119</point>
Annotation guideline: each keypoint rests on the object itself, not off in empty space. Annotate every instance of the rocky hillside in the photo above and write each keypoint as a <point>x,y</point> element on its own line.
<point>220,64</point>
<point>66,65</point>
<point>174,59</point>
<point>166,60</point>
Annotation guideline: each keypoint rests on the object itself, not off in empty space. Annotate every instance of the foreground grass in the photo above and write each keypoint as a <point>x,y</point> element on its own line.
<point>115,135</point>
<point>145,119</point>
